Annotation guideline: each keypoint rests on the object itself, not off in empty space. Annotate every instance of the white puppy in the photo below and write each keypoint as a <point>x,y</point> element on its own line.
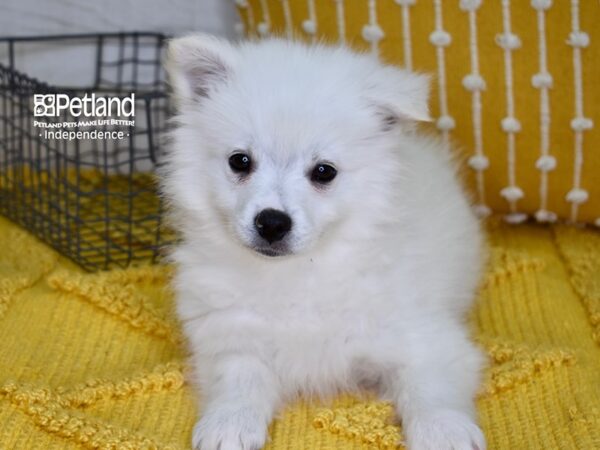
<point>325,244</point>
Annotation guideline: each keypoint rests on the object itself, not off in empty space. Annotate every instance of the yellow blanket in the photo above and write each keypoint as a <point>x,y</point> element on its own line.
<point>96,360</point>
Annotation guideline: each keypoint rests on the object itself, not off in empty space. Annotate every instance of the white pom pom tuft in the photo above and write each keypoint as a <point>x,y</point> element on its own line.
<point>546,163</point>
<point>473,82</point>
<point>508,41</point>
<point>515,218</point>
<point>309,26</point>
<point>578,39</point>
<point>541,5</point>
<point>242,3</point>
<point>445,123</point>
<point>511,125</point>
<point>372,33</point>
<point>469,5</point>
<point>540,80</point>
<point>581,124</point>
<point>545,216</point>
<point>479,162</point>
<point>482,210</point>
<point>263,29</point>
<point>440,38</point>
<point>512,193</point>
<point>577,196</point>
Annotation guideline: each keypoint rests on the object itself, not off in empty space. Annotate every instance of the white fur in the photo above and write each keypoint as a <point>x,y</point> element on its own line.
<point>384,261</point>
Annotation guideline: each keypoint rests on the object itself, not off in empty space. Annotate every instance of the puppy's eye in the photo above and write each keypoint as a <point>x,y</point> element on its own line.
<point>240,163</point>
<point>323,173</point>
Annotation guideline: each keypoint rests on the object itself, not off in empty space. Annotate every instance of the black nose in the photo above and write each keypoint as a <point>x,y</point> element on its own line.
<point>272,225</point>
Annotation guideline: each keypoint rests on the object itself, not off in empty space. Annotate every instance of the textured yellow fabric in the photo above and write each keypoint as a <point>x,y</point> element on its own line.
<point>96,360</point>
<point>525,63</point>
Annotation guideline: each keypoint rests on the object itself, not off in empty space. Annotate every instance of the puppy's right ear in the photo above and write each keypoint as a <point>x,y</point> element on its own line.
<point>197,64</point>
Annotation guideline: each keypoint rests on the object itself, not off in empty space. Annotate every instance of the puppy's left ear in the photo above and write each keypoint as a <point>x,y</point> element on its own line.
<point>198,64</point>
<point>399,95</point>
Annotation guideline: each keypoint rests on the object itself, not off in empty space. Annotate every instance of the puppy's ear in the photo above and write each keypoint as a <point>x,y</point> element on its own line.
<point>197,64</point>
<point>399,95</point>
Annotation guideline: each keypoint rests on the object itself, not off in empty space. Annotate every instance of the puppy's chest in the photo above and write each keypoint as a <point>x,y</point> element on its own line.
<point>322,304</point>
<point>303,308</point>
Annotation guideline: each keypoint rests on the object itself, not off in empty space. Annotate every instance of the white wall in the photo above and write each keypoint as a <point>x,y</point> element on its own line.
<point>73,65</point>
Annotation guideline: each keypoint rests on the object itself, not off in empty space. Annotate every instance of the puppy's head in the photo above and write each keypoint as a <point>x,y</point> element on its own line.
<point>278,145</point>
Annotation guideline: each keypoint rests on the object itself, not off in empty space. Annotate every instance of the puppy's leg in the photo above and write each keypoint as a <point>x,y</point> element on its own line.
<point>240,396</point>
<point>434,392</point>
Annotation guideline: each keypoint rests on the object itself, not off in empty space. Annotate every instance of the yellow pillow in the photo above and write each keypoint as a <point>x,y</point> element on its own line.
<point>538,152</point>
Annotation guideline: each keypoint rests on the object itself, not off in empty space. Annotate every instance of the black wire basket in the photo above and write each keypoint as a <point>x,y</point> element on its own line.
<point>80,177</point>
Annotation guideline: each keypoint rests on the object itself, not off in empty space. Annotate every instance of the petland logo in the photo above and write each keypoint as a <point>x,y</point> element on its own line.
<point>92,117</point>
<point>52,105</point>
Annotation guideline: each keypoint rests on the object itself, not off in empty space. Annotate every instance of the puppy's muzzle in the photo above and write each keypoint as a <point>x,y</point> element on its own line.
<point>272,225</point>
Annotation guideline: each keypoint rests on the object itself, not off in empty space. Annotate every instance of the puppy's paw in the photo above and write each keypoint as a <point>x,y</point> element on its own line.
<point>443,430</point>
<point>227,429</point>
